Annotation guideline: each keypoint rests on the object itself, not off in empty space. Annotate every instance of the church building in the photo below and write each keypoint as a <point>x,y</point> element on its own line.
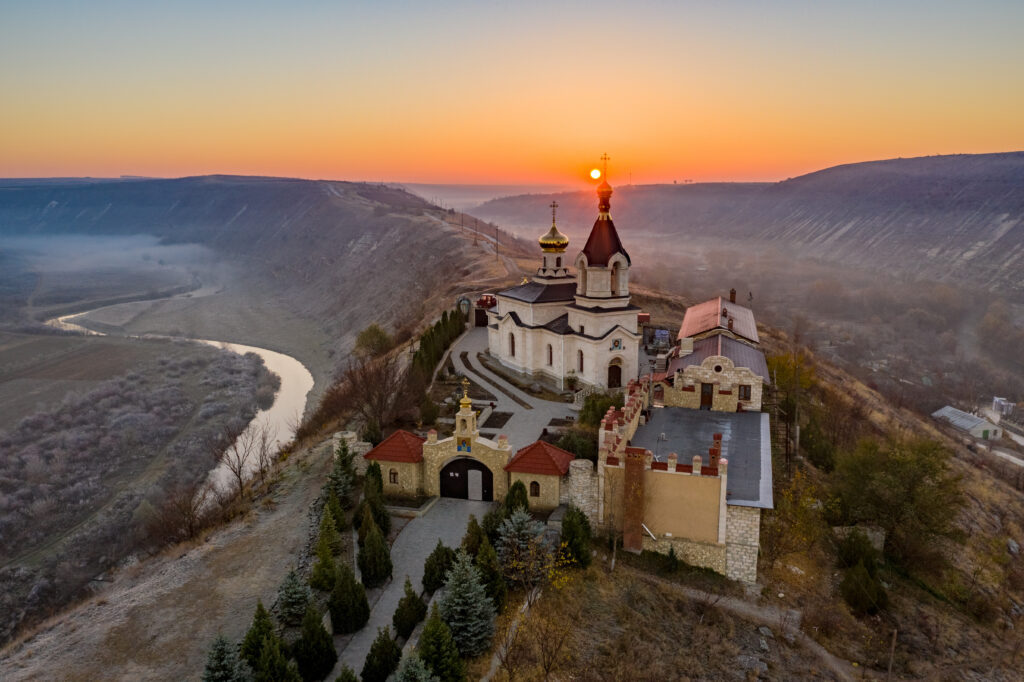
<point>570,327</point>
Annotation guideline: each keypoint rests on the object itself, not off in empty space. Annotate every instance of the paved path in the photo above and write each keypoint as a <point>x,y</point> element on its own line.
<point>446,521</point>
<point>525,425</point>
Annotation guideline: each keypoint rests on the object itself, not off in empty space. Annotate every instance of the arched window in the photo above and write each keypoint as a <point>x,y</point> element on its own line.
<point>615,279</point>
<point>511,344</point>
<point>579,361</point>
<point>583,281</point>
<point>558,262</point>
<point>534,489</point>
<point>551,356</point>
<point>393,476</point>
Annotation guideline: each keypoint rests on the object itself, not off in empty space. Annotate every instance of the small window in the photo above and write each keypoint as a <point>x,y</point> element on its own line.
<point>512,345</point>
<point>558,262</point>
<point>583,330</point>
<point>534,489</point>
<point>393,477</point>
<point>744,392</point>
<point>718,368</point>
<point>579,358</point>
<point>550,355</point>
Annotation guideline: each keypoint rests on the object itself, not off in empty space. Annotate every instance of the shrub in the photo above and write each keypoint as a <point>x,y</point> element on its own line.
<point>516,498</point>
<point>347,675</point>
<point>524,554</point>
<point>325,571</point>
<point>411,610</point>
<point>413,669</point>
<point>438,650</point>
<point>580,442</point>
<point>273,665</point>
<point>262,628</point>
<point>856,548</point>
<point>382,659</point>
<point>596,405</point>
<point>374,504</point>
<point>329,540</point>
<point>222,662</point>
<point>576,536</point>
<point>334,506</point>
<point>490,574</point>
<point>466,608</point>
<point>348,605</point>
<point>373,341</point>
<point>436,566</point>
<point>374,558</point>
<point>292,598</point>
<point>373,484</point>
<point>314,652</point>
<point>492,522</point>
<point>474,537</point>
<point>863,591</point>
<point>429,411</point>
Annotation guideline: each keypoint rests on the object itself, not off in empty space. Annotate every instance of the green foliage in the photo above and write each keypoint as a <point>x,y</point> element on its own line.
<point>383,658</point>
<point>793,375</point>
<point>429,411</point>
<point>372,432</point>
<point>374,557</point>
<point>435,341</point>
<point>374,505</point>
<point>330,540</point>
<point>438,650</point>
<point>373,483</point>
<point>347,675</point>
<point>524,554</point>
<point>436,566</point>
<point>348,605</point>
<point>325,571</point>
<point>516,498</point>
<point>222,663</point>
<point>796,524</point>
<point>906,488</point>
<point>373,341</point>
<point>580,442</point>
<point>577,536</point>
<point>596,405</point>
<point>492,522</point>
<point>411,610</point>
<point>262,628</point>
<point>341,480</point>
<point>314,652</point>
<point>490,574</point>
<point>466,608</point>
<point>474,536</point>
<point>273,665</point>
<point>854,549</point>
<point>863,591</point>
<point>816,445</point>
<point>333,505</point>
<point>413,669</point>
<point>292,598</point>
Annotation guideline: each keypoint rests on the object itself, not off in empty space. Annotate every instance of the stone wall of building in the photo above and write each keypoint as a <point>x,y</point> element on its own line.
<point>437,453</point>
<point>582,487</point>
<point>408,477</point>
<point>549,489</point>
<point>727,381</point>
<point>742,540</point>
<point>704,554</point>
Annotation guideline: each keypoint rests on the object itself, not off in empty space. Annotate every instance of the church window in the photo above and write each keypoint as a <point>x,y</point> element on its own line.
<point>558,262</point>
<point>512,344</point>
<point>744,392</point>
<point>579,358</point>
<point>583,330</point>
<point>393,477</point>
<point>534,489</point>
<point>615,279</point>
<point>550,355</point>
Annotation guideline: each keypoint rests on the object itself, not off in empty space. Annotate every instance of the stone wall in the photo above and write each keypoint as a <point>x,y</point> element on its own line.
<point>549,489</point>
<point>582,487</point>
<point>409,476</point>
<point>742,539</point>
<point>704,554</point>
<point>493,455</point>
<point>357,447</point>
<point>727,381</point>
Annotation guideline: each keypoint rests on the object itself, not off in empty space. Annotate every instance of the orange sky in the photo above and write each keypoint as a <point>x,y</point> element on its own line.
<point>479,93</point>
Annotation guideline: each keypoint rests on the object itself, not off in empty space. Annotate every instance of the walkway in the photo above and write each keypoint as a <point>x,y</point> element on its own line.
<point>525,426</point>
<point>446,521</point>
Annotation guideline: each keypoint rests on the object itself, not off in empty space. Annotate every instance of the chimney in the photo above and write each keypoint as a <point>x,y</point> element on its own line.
<point>732,295</point>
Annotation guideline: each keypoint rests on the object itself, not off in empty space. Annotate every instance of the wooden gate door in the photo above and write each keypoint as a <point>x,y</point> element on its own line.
<point>707,395</point>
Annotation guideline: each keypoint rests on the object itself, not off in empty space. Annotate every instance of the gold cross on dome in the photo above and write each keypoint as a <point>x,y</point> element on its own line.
<point>465,387</point>
<point>554,207</point>
<point>605,159</point>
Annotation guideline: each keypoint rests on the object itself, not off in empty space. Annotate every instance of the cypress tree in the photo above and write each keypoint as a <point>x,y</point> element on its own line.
<point>438,650</point>
<point>413,669</point>
<point>383,658</point>
<point>436,566</point>
<point>474,537</point>
<point>325,571</point>
<point>222,662</point>
<point>314,652</point>
<point>292,598</point>
<point>342,477</point>
<point>262,628</point>
<point>349,608</point>
<point>329,536</point>
<point>466,608</point>
<point>516,498</point>
<point>347,675</point>
<point>492,522</point>
<point>374,558</point>
<point>374,503</point>
<point>337,511</point>
<point>411,610</point>
<point>273,666</point>
<point>373,479</point>
<point>576,536</point>
<point>490,574</point>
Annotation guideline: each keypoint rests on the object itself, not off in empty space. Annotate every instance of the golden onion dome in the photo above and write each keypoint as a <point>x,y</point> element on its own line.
<point>554,240</point>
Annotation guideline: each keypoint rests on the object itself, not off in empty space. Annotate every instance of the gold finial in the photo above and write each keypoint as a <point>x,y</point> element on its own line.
<point>465,387</point>
<point>554,207</point>
<point>526,280</point>
<point>605,159</point>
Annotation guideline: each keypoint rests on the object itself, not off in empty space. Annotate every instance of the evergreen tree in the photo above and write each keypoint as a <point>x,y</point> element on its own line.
<point>466,608</point>
<point>222,662</point>
<point>413,669</point>
<point>411,610</point>
<point>325,571</point>
<point>262,628</point>
<point>474,537</point>
<point>373,502</point>
<point>374,558</point>
<point>524,553</point>
<point>382,659</point>
<point>342,477</point>
<point>373,479</point>
<point>329,537</point>
<point>436,567</point>
<point>516,498</point>
<point>348,605</point>
<point>292,598</point>
<point>314,652</point>
<point>273,665</point>
<point>347,675</point>
<point>492,522</point>
<point>576,536</point>
<point>491,575</point>
<point>863,591</point>
<point>438,650</point>
<point>337,510</point>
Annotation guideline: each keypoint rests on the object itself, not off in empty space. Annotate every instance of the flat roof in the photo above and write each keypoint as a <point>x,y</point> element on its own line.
<point>746,443</point>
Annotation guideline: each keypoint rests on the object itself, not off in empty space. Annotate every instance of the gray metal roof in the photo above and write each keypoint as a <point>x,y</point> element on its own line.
<point>740,353</point>
<point>746,443</point>
<point>535,292</point>
<point>959,418</point>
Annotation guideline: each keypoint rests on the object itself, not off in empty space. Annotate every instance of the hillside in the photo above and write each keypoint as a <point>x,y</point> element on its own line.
<point>953,218</point>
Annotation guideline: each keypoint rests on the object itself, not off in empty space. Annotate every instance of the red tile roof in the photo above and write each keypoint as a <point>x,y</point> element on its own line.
<point>541,458</point>
<point>715,314</point>
<point>400,446</point>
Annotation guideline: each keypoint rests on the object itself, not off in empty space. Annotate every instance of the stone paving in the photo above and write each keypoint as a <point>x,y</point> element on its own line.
<point>446,521</point>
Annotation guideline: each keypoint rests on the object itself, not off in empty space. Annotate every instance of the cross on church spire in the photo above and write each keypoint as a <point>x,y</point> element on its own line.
<point>605,159</point>
<point>554,207</point>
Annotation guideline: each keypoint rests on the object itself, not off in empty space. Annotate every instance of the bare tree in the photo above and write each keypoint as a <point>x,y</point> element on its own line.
<point>182,514</point>
<point>513,654</point>
<point>239,453</point>
<point>376,388</point>
<point>551,631</point>
<point>265,448</point>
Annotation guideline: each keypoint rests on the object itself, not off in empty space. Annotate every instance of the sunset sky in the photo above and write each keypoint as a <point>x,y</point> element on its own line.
<point>502,92</point>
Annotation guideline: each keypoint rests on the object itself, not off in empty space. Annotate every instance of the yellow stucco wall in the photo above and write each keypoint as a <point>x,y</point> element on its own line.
<point>437,455</point>
<point>409,478</point>
<point>549,489</point>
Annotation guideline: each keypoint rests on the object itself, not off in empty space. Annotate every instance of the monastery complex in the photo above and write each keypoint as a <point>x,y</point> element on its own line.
<point>684,464</point>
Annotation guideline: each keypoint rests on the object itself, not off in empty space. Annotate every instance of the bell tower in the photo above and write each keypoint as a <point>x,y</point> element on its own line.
<point>466,431</point>
<point>603,264</point>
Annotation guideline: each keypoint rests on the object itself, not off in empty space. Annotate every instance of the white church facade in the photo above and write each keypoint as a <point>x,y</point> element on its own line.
<point>572,327</point>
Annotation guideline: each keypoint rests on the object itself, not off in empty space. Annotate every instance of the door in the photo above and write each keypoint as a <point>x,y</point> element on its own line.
<point>614,376</point>
<point>476,484</point>
<point>707,394</point>
<point>984,434</point>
